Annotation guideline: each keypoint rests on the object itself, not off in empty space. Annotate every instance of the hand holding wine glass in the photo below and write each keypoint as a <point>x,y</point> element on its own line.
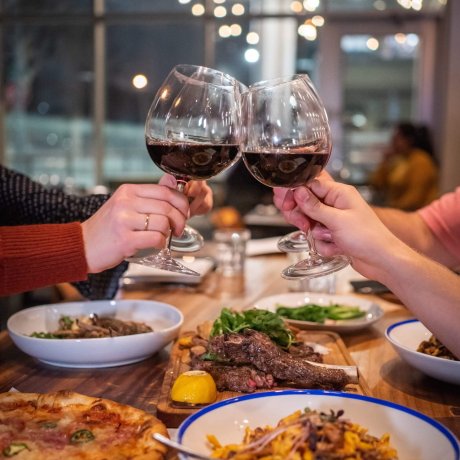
<point>286,142</point>
<point>192,132</point>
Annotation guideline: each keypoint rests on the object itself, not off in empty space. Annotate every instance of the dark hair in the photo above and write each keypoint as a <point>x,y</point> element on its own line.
<point>419,136</point>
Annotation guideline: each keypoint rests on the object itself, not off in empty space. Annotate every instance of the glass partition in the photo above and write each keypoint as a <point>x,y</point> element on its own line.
<point>48,88</point>
<point>379,90</point>
<point>136,65</point>
<point>78,76</point>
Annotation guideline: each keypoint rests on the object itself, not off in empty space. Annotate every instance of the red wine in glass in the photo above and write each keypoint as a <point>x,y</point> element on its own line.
<point>192,132</point>
<point>291,169</point>
<point>286,142</point>
<point>187,161</point>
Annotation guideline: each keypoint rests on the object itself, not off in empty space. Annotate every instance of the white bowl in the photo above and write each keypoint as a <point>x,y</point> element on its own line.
<point>413,434</point>
<point>406,336</point>
<point>164,319</point>
<point>297,299</point>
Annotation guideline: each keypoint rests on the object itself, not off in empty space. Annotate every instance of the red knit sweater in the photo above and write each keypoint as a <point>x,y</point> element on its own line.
<point>33,256</point>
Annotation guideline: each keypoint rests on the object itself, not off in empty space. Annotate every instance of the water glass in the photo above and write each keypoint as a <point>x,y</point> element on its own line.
<point>231,250</point>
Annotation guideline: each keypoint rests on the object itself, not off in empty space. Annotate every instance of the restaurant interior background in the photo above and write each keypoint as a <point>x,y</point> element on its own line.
<point>78,76</point>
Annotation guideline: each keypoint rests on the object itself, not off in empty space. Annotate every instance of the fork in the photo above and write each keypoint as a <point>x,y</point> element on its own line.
<point>179,447</point>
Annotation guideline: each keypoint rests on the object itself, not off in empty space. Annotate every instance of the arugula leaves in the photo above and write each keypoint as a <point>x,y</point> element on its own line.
<point>259,320</point>
<point>319,313</point>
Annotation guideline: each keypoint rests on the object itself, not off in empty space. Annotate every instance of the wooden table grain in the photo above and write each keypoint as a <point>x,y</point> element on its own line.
<point>139,384</point>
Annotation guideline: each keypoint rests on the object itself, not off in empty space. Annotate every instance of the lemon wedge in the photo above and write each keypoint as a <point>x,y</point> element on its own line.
<point>194,387</point>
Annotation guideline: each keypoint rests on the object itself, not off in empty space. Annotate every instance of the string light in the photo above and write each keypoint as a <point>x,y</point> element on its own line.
<point>220,11</point>
<point>296,7</point>
<point>198,9</point>
<point>310,5</point>
<point>238,9</point>
<point>318,21</point>
<point>139,81</point>
<point>235,30</point>
<point>225,31</point>
<point>251,55</point>
<point>252,38</point>
<point>373,44</point>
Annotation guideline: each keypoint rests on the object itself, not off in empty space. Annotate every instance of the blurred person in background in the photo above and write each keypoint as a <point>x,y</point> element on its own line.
<point>85,235</point>
<point>407,177</point>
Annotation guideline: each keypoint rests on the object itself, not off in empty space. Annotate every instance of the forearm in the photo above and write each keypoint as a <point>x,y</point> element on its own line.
<point>33,256</point>
<point>26,202</point>
<point>410,228</point>
<point>429,290</point>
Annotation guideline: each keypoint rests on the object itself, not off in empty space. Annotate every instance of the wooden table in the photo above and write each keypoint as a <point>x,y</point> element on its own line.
<point>387,376</point>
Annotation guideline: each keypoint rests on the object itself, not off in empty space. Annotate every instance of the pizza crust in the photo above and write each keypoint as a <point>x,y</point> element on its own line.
<point>137,445</point>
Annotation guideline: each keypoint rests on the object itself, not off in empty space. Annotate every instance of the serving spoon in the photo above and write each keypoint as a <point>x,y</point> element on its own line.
<point>179,447</point>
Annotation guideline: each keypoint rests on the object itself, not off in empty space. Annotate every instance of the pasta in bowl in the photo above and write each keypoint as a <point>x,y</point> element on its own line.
<point>396,431</point>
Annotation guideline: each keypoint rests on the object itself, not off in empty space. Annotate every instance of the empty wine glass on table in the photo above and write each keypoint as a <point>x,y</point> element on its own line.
<point>286,142</point>
<point>192,132</point>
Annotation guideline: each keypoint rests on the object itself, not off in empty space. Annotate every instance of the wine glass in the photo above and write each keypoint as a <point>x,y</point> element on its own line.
<point>286,142</point>
<point>192,132</point>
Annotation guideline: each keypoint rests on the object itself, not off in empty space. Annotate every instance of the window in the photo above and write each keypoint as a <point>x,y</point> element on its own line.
<point>78,77</point>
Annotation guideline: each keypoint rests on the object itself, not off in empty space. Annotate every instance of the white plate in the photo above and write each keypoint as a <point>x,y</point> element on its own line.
<point>296,299</point>
<point>141,274</point>
<point>262,246</point>
<point>165,320</point>
<point>406,336</point>
<point>414,435</point>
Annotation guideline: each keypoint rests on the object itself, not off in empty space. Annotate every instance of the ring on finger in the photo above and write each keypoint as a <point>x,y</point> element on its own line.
<point>146,222</point>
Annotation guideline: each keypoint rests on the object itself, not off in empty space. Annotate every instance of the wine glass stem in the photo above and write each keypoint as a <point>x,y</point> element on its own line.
<point>180,187</point>
<point>311,242</point>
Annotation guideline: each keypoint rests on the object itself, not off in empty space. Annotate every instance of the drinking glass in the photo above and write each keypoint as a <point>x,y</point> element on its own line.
<point>192,132</point>
<point>286,142</point>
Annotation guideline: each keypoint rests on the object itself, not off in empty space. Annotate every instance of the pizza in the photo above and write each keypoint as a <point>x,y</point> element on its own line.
<point>68,425</point>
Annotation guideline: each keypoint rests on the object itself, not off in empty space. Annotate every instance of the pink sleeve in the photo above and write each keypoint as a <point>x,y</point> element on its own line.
<point>443,218</point>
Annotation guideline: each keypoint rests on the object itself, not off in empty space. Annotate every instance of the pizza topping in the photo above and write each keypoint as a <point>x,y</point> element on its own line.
<point>82,436</point>
<point>48,425</point>
<point>14,448</point>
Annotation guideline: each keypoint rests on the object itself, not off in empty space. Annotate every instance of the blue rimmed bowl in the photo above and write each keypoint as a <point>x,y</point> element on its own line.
<point>406,336</point>
<point>413,434</point>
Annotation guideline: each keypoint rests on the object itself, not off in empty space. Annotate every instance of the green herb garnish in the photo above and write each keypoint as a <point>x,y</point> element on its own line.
<point>259,320</point>
<point>319,313</point>
<point>14,448</point>
<point>48,425</point>
<point>82,436</point>
<point>45,335</point>
<point>66,322</point>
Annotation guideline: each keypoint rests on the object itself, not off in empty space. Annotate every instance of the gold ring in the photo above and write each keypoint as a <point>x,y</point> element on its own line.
<point>146,222</point>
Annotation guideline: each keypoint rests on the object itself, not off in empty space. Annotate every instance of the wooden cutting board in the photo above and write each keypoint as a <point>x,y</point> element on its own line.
<point>173,415</point>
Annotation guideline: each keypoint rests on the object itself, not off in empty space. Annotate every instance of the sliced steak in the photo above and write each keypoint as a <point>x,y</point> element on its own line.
<point>235,378</point>
<point>256,348</point>
<point>302,350</point>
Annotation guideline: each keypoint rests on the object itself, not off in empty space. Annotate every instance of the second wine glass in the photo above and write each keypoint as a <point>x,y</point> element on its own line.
<point>286,142</point>
<point>192,132</point>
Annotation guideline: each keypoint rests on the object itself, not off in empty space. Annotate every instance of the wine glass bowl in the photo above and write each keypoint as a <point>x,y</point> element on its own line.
<point>286,142</point>
<point>192,132</point>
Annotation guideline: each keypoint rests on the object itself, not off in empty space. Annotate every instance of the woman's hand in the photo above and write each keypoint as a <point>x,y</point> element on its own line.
<point>198,192</point>
<point>135,217</point>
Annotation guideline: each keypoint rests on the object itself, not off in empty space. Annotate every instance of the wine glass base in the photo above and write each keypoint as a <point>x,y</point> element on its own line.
<point>189,241</point>
<point>163,263</point>
<point>315,266</point>
<point>294,242</point>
